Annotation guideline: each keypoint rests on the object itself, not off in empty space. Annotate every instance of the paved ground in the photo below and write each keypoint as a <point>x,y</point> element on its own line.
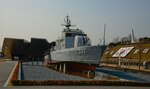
<point>38,72</point>
<point>136,68</point>
<point>125,75</point>
<point>5,70</point>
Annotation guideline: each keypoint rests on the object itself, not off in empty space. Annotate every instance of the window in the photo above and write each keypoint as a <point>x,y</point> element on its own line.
<point>68,34</point>
<point>136,51</point>
<point>145,50</point>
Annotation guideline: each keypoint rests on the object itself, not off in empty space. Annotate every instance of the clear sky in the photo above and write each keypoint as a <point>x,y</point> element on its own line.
<point>42,18</point>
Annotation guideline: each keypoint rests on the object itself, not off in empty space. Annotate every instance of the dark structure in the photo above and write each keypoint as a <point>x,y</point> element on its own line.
<point>14,48</point>
<point>37,49</point>
<point>20,49</point>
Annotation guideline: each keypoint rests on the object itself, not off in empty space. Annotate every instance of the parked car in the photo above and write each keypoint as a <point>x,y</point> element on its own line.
<point>1,55</point>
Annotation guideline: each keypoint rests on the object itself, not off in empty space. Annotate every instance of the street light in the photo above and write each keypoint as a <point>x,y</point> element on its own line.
<point>139,56</point>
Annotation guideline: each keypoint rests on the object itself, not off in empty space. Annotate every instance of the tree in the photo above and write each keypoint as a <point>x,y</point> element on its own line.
<point>116,40</point>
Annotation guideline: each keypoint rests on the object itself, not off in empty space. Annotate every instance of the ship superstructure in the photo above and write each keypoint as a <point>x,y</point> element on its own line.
<point>71,37</point>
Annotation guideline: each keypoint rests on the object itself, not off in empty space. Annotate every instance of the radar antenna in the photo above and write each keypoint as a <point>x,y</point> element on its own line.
<point>67,22</point>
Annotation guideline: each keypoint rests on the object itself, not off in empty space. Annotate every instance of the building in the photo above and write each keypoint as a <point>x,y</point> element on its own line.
<point>37,49</point>
<point>14,48</point>
<point>133,53</point>
<point>21,49</point>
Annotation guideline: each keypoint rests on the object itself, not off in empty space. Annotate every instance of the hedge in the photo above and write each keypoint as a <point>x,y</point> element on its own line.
<point>79,83</point>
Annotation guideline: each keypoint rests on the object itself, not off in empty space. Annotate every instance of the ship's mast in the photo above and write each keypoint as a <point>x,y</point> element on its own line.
<point>67,22</point>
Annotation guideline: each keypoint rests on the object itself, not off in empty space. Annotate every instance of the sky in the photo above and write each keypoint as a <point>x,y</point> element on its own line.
<point>25,19</point>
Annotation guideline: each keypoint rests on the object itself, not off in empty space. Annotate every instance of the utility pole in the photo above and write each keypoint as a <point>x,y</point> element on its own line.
<point>140,56</point>
<point>104,33</point>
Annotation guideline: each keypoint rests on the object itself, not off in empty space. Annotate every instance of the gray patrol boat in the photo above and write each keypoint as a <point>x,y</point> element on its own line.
<point>75,46</point>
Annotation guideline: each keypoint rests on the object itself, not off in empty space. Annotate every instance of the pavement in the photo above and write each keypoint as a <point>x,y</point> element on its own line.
<point>127,67</point>
<point>124,75</point>
<point>39,72</point>
<point>7,66</point>
<point>5,69</point>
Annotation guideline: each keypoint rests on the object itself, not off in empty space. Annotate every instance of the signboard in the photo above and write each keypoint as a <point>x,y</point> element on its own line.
<point>122,52</point>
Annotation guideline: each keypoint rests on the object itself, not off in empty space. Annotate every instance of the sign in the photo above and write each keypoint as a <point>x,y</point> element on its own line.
<point>122,52</point>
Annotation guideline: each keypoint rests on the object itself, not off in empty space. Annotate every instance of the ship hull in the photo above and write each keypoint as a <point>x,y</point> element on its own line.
<point>83,54</point>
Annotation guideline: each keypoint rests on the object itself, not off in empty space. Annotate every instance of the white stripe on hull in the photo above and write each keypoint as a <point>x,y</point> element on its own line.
<point>83,54</point>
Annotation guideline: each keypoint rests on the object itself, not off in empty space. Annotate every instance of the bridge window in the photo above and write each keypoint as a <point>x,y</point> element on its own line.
<point>136,51</point>
<point>145,50</point>
<point>68,34</point>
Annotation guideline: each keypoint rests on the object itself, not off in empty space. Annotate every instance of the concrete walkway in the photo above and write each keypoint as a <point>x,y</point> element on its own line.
<point>5,69</point>
<point>7,66</point>
<point>134,68</point>
<point>125,75</point>
<point>38,72</point>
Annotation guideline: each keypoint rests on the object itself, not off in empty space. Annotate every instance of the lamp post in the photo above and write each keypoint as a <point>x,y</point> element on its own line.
<point>140,56</point>
<point>119,63</point>
<point>107,59</point>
